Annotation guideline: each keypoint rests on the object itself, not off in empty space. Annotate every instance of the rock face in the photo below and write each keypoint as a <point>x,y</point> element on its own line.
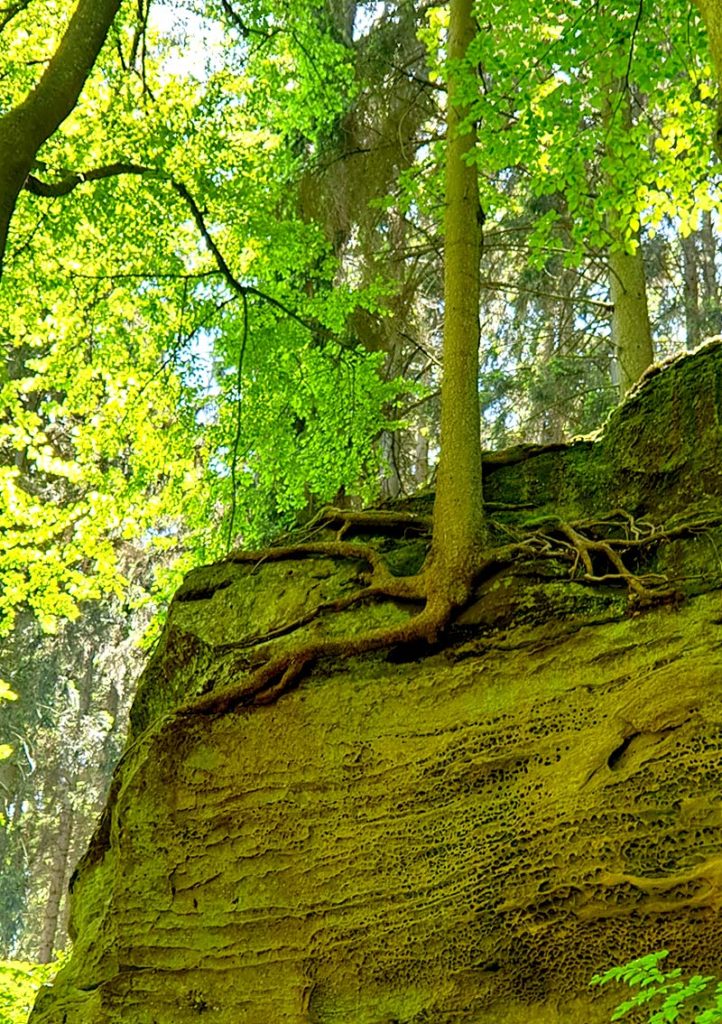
<point>459,835</point>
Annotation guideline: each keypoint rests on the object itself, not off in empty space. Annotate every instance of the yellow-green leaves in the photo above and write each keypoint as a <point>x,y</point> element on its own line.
<point>122,329</point>
<point>20,982</point>
<point>604,108</point>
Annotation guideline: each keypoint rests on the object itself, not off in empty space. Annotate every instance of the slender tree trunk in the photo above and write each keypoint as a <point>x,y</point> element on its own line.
<point>631,328</point>
<point>57,886</point>
<point>342,16</point>
<point>459,525</point>
<point>690,277</point>
<point>421,459</point>
<point>710,246</point>
<point>25,128</point>
<point>549,405</point>
<point>710,302</point>
<point>391,485</point>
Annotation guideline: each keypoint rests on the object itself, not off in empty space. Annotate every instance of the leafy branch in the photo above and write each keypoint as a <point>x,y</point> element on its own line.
<point>64,186</point>
<point>676,998</point>
<point>11,11</point>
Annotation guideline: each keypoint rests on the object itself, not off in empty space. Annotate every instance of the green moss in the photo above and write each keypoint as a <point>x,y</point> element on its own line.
<point>406,558</point>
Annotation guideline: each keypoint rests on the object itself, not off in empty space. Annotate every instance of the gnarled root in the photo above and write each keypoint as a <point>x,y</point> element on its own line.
<point>646,589</point>
<point>588,547</point>
<point>264,684</point>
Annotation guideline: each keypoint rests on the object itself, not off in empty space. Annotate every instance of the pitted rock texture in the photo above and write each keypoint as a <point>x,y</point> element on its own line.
<point>462,838</point>
<point>460,835</point>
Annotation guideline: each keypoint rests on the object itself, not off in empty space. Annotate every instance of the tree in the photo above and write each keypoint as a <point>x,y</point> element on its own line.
<point>124,298</point>
<point>28,125</point>
<point>295,301</point>
<point>459,531</point>
<point>114,244</point>
<point>608,137</point>
<point>66,724</point>
<point>459,542</point>
<point>460,548</point>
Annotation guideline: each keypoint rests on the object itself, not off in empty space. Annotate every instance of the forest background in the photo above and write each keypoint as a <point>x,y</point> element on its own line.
<point>221,309</point>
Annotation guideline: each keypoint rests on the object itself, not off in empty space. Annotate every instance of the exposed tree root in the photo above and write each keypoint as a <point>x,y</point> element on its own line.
<point>380,519</point>
<point>266,683</point>
<point>648,589</point>
<point>593,549</point>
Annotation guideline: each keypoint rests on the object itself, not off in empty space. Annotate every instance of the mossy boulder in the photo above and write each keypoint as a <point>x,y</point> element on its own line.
<point>464,833</point>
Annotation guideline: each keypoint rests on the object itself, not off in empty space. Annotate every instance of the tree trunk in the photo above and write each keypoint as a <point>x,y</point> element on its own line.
<point>690,276</point>
<point>57,883</point>
<point>711,314</point>
<point>631,329</point>
<point>710,246</point>
<point>459,524</point>
<point>25,128</point>
<point>421,459</point>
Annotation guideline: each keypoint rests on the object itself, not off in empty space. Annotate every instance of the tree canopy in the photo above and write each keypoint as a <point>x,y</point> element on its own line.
<point>221,218</point>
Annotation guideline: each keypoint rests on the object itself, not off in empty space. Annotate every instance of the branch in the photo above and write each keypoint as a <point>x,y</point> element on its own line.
<point>632,41</point>
<point>11,11</point>
<point>504,286</point>
<point>246,30</point>
<point>231,280</point>
<point>25,127</point>
<point>53,189</point>
<point>72,181</point>
<point>53,98</point>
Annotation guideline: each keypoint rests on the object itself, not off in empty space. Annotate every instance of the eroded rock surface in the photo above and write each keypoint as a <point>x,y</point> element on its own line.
<point>463,835</point>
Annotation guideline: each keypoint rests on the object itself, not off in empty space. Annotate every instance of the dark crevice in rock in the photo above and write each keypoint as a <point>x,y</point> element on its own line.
<point>202,593</point>
<point>614,759</point>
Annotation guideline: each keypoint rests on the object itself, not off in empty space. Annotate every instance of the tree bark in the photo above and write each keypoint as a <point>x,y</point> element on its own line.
<point>631,331</point>
<point>690,277</point>
<point>421,459</point>
<point>631,327</point>
<point>459,523</point>
<point>711,314</point>
<point>711,11</point>
<point>57,883</point>
<point>710,246</point>
<point>25,128</point>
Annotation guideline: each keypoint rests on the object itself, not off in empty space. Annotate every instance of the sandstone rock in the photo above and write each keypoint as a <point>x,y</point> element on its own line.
<point>459,835</point>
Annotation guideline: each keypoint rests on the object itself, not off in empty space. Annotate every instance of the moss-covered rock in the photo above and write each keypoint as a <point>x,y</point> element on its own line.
<point>460,834</point>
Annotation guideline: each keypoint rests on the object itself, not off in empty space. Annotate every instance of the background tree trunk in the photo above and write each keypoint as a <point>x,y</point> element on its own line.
<point>690,277</point>
<point>58,876</point>
<point>708,249</point>
<point>711,11</point>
